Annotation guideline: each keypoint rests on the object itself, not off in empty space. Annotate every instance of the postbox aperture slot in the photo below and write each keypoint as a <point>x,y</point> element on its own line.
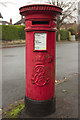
<point>40,22</point>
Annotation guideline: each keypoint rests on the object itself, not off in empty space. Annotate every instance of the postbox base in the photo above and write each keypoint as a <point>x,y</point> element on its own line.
<point>40,108</point>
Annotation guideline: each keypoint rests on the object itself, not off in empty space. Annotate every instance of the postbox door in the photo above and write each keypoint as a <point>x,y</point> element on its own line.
<point>40,65</point>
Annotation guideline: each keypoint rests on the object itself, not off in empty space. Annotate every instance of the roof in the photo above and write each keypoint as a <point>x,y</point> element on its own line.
<point>20,21</point>
<point>5,22</point>
<point>67,23</point>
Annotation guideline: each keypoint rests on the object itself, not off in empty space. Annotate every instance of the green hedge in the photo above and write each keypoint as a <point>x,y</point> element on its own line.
<point>64,34</point>
<point>21,32</point>
<point>16,32</point>
<point>13,32</point>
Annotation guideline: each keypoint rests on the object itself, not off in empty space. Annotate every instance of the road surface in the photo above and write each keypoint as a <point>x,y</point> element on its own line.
<point>13,69</point>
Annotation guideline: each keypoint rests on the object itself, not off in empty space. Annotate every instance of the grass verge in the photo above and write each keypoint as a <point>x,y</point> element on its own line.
<point>14,110</point>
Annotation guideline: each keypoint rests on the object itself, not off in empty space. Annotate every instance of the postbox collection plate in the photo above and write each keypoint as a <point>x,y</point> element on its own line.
<point>40,41</point>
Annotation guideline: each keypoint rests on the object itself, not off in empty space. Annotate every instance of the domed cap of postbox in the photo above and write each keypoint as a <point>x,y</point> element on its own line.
<point>40,8</point>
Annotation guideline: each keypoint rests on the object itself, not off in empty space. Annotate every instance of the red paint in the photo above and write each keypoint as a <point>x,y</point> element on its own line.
<point>40,65</point>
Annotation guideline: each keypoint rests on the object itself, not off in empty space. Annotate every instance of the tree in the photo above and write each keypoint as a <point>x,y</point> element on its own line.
<point>68,9</point>
<point>5,5</point>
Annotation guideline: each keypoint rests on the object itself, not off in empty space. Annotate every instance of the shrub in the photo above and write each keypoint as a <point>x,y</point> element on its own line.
<point>9,32</point>
<point>72,31</point>
<point>64,34</point>
<point>79,31</point>
<point>0,32</point>
<point>76,36</point>
<point>13,32</point>
<point>21,32</point>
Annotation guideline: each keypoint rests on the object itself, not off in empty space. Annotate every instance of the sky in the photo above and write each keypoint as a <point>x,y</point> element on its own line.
<point>11,10</point>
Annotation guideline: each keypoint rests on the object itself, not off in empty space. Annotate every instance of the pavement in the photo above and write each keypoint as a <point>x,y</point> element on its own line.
<point>67,68</point>
<point>21,45</point>
<point>66,100</point>
<point>11,46</point>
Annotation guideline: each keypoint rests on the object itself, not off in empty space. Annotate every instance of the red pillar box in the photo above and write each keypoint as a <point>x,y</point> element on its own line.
<point>40,57</point>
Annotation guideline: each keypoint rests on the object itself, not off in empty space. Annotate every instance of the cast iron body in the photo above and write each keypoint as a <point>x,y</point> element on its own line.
<point>40,63</point>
